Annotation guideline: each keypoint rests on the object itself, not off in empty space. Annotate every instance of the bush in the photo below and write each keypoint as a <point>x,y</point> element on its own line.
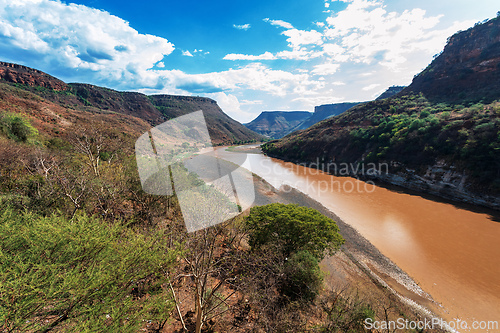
<point>17,127</point>
<point>79,275</point>
<point>292,229</point>
<point>303,277</point>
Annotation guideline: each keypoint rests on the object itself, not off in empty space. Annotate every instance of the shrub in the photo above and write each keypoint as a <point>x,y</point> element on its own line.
<point>79,275</point>
<point>303,277</point>
<point>17,127</point>
<point>292,229</point>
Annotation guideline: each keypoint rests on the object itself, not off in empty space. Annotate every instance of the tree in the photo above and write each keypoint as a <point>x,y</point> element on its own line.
<point>80,275</point>
<point>303,277</point>
<point>293,228</point>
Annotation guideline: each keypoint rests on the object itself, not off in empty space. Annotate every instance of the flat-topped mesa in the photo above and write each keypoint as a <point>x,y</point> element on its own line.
<point>31,77</point>
<point>163,97</point>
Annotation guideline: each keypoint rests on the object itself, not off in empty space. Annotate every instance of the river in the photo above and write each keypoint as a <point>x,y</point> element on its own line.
<point>451,251</point>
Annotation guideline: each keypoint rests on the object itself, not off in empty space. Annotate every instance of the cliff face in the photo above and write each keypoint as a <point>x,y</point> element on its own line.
<point>276,124</point>
<point>467,70</point>
<point>28,76</point>
<point>222,128</point>
<point>323,112</point>
<point>391,91</point>
<point>153,109</point>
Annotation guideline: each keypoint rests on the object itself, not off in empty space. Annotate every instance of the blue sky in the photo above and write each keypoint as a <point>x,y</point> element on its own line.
<point>249,56</point>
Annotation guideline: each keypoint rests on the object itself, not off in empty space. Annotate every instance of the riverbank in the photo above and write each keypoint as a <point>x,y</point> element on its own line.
<point>440,180</point>
<point>359,265</point>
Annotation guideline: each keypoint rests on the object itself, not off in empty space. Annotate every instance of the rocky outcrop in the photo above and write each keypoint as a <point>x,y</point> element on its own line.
<point>276,124</point>
<point>31,77</point>
<point>467,69</point>
<point>391,91</point>
<point>323,112</point>
<point>441,180</point>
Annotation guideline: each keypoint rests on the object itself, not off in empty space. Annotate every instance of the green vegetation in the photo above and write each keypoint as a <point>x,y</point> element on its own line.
<point>17,127</point>
<point>80,275</point>
<point>302,236</point>
<point>292,228</point>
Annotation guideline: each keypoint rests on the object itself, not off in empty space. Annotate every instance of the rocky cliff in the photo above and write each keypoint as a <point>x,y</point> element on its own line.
<point>467,70</point>
<point>31,77</point>
<point>276,124</point>
<point>323,112</point>
<point>391,91</point>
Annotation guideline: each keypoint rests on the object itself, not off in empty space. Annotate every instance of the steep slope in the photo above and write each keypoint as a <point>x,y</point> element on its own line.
<point>222,128</point>
<point>467,69</point>
<point>276,124</point>
<point>391,91</point>
<point>98,100</point>
<point>323,112</point>
<point>451,150</point>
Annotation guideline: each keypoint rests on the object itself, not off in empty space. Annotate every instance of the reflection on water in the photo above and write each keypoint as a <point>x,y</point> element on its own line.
<point>452,253</point>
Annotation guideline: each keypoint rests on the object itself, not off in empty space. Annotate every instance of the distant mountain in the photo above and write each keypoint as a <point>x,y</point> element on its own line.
<point>429,137</point>
<point>276,124</point>
<point>391,91</point>
<point>467,70</point>
<point>323,112</point>
<point>90,99</point>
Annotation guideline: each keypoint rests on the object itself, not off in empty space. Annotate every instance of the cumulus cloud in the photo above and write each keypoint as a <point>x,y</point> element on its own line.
<point>296,37</point>
<point>242,26</point>
<point>300,42</point>
<point>78,37</point>
<point>232,106</point>
<point>365,33</point>
<point>325,69</point>
<point>187,53</point>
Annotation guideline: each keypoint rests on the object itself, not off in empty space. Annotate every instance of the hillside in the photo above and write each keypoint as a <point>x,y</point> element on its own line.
<point>448,149</point>
<point>76,98</point>
<point>391,91</point>
<point>323,112</point>
<point>467,70</point>
<point>277,124</point>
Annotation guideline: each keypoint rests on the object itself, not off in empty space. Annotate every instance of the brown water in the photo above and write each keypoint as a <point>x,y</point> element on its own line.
<point>453,253</point>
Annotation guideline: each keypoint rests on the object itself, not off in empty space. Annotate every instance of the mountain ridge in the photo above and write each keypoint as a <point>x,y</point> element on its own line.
<point>100,100</point>
<point>276,124</point>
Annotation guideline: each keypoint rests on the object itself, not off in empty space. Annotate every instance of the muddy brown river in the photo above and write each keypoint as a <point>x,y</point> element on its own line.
<point>451,251</point>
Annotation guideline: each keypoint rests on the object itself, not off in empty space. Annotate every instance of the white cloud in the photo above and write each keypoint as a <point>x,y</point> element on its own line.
<point>279,23</point>
<point>297,54</point>
<point>371,87</point>
<point>296,37</point>
<point>236,56</point>
<point>325,69</point>
<point>78,37</point>
<point>365,33</point>
<point>297,40</point>
<point>242,26</point>
<point>252,102</point>
<point>160,64</point>
<point>231,106</point>
<point>187,54</point>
